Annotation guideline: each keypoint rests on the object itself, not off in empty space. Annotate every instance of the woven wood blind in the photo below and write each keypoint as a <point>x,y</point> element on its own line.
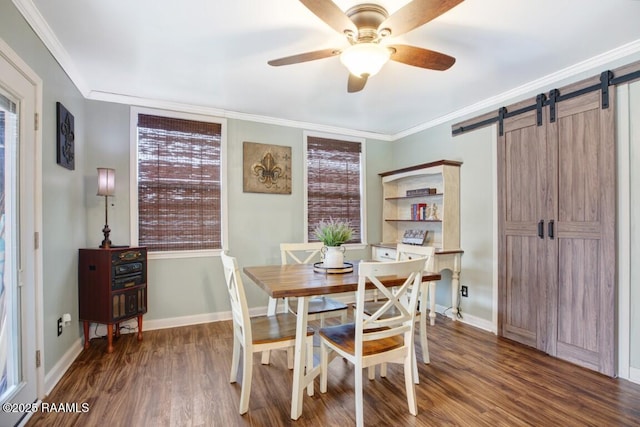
<point>333,183</point>
<point>178,184</point>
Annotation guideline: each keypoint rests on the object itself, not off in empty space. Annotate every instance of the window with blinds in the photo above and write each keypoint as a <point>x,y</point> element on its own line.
<point>179,199</point>
<point>334,183</point>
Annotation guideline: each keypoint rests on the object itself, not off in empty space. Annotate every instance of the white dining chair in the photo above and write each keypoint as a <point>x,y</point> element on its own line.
<point>255,334</point>
<point>378,338</point>
<point>404,252</point>
<point>319,307</point>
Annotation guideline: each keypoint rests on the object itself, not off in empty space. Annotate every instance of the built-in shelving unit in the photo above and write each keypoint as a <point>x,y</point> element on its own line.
<point>399,206</point>
<point>398,216</point>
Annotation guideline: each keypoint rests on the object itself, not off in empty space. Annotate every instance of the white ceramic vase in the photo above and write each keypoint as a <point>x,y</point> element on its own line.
<point>333,256</point>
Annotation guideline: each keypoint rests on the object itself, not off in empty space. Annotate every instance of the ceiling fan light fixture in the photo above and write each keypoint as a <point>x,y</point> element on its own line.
<point>365,58</point>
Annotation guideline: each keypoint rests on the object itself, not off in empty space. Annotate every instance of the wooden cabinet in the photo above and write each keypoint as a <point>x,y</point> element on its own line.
<point>409,197</point>
<point>112,288</point>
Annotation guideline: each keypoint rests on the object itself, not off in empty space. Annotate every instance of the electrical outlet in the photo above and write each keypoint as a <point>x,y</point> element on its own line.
<point>60,326</point>
<point>464,291</point>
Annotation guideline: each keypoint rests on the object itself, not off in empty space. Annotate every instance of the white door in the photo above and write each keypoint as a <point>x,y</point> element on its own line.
<point>20,377</point>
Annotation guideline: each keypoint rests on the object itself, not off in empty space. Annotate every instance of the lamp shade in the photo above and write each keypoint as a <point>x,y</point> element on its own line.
<point>365,58</point>
<point>106,182</point>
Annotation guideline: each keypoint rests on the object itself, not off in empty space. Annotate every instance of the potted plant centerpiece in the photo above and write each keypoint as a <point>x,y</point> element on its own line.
<point>333,233</point>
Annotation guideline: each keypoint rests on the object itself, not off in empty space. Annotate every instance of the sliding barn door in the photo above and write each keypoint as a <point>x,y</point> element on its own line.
<point>523,186</point>
<point>582,299</point>
<point>556,201</point>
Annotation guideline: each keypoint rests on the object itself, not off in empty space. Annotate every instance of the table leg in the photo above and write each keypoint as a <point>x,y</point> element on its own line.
<point>299,358</point>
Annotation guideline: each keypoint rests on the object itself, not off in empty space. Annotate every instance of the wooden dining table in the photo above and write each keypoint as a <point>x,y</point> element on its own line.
<point>304,281</point>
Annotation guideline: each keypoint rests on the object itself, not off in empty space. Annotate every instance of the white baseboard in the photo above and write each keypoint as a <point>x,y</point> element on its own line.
<point>469,319</point>
<point>131,325</point>
<point>60,368</point>
<point>634,375</point>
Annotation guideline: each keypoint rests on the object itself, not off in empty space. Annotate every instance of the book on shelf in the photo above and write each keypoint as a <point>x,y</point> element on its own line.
<point>420,192</point>
<point>419,211</point>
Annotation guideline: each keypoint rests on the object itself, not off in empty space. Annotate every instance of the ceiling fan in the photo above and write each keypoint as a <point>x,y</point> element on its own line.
<point>366,26</point>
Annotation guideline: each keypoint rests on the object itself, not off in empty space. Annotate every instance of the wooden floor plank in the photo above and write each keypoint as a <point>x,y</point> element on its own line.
<point>180,377</point>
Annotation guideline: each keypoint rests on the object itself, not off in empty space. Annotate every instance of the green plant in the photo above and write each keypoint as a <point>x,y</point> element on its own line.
<point>333,232</point>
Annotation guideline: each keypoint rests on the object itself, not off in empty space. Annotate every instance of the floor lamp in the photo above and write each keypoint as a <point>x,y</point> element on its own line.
<point>106,188</point>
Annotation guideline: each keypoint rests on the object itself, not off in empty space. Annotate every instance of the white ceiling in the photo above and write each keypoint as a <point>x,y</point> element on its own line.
<point>213,55</point>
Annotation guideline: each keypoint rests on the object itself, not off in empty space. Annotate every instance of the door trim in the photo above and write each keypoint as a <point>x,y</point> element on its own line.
<point>19,65</point>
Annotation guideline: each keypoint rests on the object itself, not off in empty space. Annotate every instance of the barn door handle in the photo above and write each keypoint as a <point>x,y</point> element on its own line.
<point>550,229</point>
<point>541,229</point>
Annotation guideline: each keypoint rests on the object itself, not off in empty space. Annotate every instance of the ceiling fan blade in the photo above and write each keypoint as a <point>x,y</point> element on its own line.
<point>355,83</point>
<point>423,58</point>
<point>304,57</point>
<point>415,14</point>
<point>331,14</point>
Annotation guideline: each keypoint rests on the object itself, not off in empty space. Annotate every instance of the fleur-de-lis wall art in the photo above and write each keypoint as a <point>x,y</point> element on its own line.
<point>65,138</point>
<point>266,168</point>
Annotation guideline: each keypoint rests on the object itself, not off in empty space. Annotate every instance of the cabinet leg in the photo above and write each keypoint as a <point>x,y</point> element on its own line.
<point>455,293</point>
<point>85,326</point>
<point>117,330</point>
<point>432,303</point>
<point>140,328</point>
<point>110,338</point>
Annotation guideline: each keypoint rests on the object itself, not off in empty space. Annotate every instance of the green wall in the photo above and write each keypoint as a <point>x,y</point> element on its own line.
<point>63,203</point>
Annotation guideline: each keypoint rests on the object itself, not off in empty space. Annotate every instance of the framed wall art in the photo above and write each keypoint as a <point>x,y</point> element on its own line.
<point>266,168</point>
<point>65,138</point>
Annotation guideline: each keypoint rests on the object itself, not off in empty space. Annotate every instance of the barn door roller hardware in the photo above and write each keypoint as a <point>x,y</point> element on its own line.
<point>607,80</point>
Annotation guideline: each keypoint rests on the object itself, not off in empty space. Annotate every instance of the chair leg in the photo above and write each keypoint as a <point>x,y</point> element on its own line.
<point>247,373</point>
<point>424,344</point>
<point>409,382</point>
<point>290,351</point>
<point>235,361</point>
<point>309,363</point>
<point>324,366</point>
<point>358,394</point>
<point>414,365</point>
<point>383,369</point>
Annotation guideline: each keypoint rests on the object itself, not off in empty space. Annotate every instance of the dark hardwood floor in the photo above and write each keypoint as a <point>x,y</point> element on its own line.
<point>180,377</point>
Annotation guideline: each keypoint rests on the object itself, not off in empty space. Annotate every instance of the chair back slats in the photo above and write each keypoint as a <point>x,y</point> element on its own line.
<point>405,251</point>
<point>300,253</point>
<point>396,316</point>
<point>237,297</point>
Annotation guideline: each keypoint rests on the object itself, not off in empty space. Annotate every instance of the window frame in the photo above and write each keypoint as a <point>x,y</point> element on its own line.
<point>363,193</point>
<point>133,183</point>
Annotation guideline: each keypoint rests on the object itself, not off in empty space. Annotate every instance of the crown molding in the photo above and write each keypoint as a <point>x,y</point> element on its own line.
<point>35,19</point>
<point>218,112</point>
<point>533,87</point>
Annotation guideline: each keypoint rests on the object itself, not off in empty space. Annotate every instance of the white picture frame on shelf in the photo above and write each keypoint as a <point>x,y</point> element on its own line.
<point>414,237</point>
